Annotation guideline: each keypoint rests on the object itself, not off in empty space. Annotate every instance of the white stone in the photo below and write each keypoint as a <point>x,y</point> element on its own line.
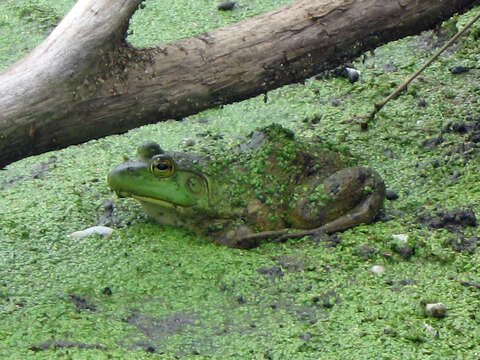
<point>401,237</point>
<point>100,230</point>
<point>430,329</point>
<point>377,269</point>
<point>188,142</point>
<point>437,310</point>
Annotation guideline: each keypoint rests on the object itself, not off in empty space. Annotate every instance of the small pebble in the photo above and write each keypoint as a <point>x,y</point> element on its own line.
<point>437,310</point>
<point>389,68</point>
<point>100,230</point>
<point>352,74</point>
<point>391,195</point>
<point>377,269</point>
<point>401,237</point>
<point>107,291</point>
<point>334,101</point>
<point>227,5</point>
<point>430,329</point>
<point>305,336</point>
<point>188,142</point>
<point>459,70</point>
<point>389,153</point>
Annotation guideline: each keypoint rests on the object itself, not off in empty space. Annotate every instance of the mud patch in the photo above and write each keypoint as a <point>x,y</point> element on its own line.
<point>272,273</point>
<point>453,220</point>
<point>432,143</point>
<point>463,244</point>
<point>459,141</point>
<point>291,263</point>
<point>106,215</point>
<point>403,249</point>
<point>474,284</point>
<point>157,329</point>
<point>470,127</point>
<point>64,344</point>
<point>82,304</point>
<point>329,241</point>
<point>36,172</point>
<point>366,251</point>
<point>327,299</point>
<point>429,41</point>
<point>470,138</point>
<point>307,314</point>
<point>398,286</point>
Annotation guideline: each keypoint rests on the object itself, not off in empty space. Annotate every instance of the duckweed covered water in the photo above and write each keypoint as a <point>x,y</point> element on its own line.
<point>158,292</point>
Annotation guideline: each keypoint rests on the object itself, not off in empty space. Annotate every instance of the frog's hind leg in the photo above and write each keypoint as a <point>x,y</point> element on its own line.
<point>364,213</point>
<point>355,196</point>
<point>370,183</point>
<point>362,187</point>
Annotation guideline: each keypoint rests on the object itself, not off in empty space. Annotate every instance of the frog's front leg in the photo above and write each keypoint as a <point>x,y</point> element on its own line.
<point>345,199</point>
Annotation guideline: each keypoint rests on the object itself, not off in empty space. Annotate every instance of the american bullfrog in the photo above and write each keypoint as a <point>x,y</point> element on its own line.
<point>273,185</point>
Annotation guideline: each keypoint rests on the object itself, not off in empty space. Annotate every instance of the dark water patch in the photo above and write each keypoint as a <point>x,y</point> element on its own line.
<point>82,304</point>
<point>64,344</point>
<point>272,273</point>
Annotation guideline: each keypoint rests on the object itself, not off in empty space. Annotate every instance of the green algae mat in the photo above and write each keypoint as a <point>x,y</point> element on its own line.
<point>159,292</point>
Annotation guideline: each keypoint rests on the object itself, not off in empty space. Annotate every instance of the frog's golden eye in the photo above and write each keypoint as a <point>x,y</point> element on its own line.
<point>162,166</point>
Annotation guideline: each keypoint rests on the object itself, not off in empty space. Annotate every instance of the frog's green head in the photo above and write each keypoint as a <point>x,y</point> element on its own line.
<point>162,179</point>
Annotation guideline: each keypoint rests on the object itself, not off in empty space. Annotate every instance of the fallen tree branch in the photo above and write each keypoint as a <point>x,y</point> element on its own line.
<point>85,82</point>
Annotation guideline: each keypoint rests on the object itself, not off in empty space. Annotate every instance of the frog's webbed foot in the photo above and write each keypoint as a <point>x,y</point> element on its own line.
<point>237,237</point>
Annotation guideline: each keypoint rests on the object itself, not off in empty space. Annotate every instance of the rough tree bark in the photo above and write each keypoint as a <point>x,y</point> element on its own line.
<point>85,81</point>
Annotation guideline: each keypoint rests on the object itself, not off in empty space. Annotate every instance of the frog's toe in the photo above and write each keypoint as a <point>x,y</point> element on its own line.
<point>238,237</point>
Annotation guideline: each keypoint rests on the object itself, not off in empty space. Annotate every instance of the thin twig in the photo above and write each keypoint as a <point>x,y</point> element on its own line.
<point>378,106</point>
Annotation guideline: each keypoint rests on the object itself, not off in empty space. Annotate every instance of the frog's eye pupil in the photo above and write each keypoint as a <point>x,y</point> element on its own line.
<point>162,166</point>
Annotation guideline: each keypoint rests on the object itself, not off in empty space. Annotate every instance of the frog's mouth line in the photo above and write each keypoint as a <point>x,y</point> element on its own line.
<point>162,203</point>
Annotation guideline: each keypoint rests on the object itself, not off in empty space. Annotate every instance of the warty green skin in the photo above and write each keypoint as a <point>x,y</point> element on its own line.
<point>271,182</point>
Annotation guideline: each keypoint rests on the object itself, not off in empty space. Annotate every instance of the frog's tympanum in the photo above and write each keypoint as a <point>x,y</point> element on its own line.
<point>272,185</point>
